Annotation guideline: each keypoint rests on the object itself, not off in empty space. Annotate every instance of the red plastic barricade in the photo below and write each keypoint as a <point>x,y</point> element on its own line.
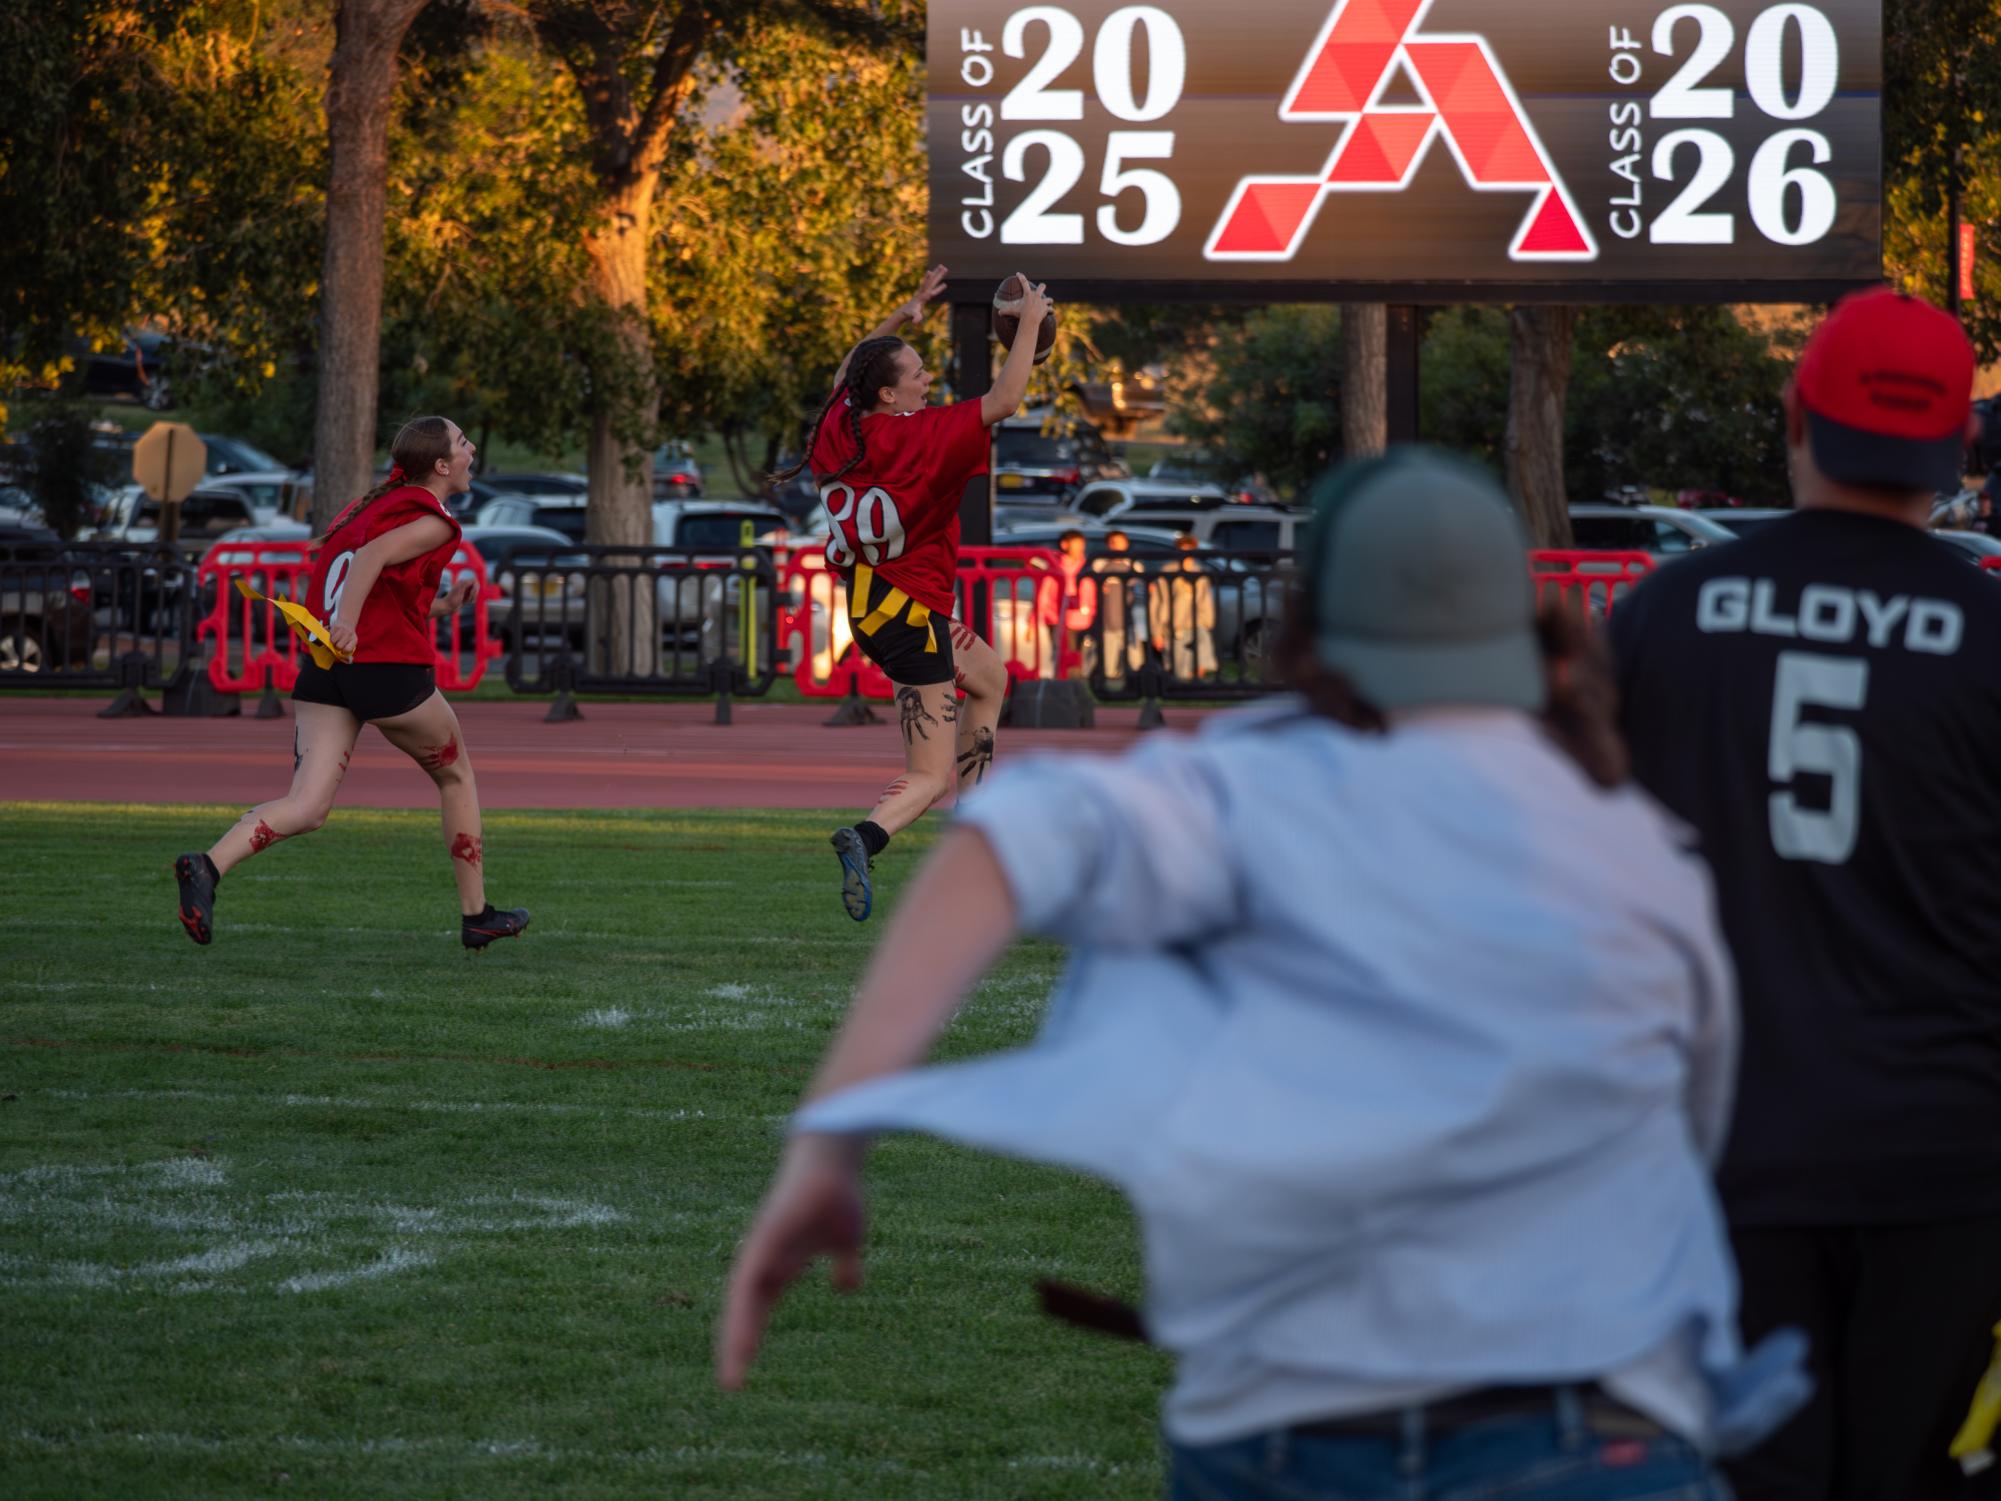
<point>256,649</point>
<point>1012,597</point>
<point>1598,578</point>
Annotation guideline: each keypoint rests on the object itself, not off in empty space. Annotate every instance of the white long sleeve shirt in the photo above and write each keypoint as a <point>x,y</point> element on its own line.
<point>1411,1051</point>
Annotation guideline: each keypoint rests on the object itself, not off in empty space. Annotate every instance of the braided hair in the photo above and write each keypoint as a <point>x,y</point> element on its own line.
<point>420,443</point>
<point>871,367</point>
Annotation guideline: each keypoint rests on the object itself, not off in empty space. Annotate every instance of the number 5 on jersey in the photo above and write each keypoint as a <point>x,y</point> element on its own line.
<point>868,526</point>
<point>1831,750</point>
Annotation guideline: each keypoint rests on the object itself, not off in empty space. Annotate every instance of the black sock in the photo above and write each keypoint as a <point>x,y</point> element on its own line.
<point>874,840</point>
<point>214,875</point>
<point>477,916</point>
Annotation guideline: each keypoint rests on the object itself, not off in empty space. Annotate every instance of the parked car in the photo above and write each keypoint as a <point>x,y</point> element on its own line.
<point>47,611</point>
<point>1975,547</point>
<point>540,485</point>
<point>1741,521</point>
<point>552,607</point>
<point>1049,458</point>
<point>558,513</point>
<point>1228,528</point>
<point>227,455</point>
<point>1662,531</point>
<point>272,493</point>
<point>699,610</point>
<point>1216,470</point>
<point>676,475</point>
<point>131,515</point>
<point>1109,497</point>
<point>141,368</point>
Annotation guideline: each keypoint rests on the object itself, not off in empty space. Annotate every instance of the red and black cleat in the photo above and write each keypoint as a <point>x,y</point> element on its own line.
<point>477,932</point>
<point>197,877</point>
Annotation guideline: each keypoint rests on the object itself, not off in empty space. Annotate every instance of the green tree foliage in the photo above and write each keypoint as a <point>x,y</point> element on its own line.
<point>1273,399</point>
<point>1941,106</point>
<point>80,89</point>
<point>64,464</point>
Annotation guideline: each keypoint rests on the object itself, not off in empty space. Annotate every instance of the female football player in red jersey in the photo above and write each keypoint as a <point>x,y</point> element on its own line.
<point>375,584</point>
<point>890,471</point>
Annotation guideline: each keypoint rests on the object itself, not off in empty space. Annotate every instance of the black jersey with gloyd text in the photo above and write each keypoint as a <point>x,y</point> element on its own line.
<point>1822,702</point>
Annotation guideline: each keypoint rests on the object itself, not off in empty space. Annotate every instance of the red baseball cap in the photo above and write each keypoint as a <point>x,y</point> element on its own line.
<point>1887,382</point>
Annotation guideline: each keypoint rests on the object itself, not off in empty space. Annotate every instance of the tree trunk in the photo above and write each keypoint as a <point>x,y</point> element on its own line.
<point>361,85</point>
<point>619,511</point>
<point>1539,374</point>
<point>1365,407</point>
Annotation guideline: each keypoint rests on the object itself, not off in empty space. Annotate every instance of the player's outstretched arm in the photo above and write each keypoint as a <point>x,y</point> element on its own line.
<point>952,925</point>
<point>907,312</point>
<point>1004,400</point>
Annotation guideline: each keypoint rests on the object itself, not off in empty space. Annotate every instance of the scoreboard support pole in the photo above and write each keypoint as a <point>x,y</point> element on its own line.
<point>973,375</point>
<point>1400,372</point>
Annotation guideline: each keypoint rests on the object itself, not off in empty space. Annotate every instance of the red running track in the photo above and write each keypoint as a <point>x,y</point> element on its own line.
<point>618,756</point>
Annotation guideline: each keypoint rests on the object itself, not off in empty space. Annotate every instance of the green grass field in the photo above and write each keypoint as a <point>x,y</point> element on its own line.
<point>331,1208</point>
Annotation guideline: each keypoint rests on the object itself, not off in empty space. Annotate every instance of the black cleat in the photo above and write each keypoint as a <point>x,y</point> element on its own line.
<point>477,932</point>
<point>198,879</point>
<point>857,894</point>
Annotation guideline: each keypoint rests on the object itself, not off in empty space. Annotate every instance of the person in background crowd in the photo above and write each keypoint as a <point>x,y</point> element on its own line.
<point>375,581</point>
<point>1403,1019</point>
<point>1080,599</point>
<point>1121,638</point>
<point>1181,611</point>
<point>1821,702</point>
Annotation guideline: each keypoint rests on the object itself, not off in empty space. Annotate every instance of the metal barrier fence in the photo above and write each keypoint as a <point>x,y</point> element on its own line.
<point>96,615</point>
<point>1193,626</point>
<point>257,651</point>
<point>1012,597</point>
<point>613,619</point>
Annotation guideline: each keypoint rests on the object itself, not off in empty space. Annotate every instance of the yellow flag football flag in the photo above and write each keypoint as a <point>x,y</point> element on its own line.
<point>318,639</point>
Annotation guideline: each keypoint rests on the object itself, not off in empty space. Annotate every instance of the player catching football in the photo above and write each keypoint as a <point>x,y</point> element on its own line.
<point>890,470</point>
<point>375,584</point>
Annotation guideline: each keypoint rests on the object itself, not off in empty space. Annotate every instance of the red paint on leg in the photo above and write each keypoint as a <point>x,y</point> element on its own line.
<point>467,847</point>
<point>899,785</point>
<point>345,757</point>
<point>438,757</point>
<point>263,837</point>
<point>962,636</point>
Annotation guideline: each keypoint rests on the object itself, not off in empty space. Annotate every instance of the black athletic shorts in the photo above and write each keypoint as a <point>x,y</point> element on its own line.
<point>909,642</point>
<point>367,690</point>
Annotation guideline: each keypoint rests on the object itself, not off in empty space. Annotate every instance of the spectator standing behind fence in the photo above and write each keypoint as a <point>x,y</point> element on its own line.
<point>1181,612</point>
<point>1406,1026</point>
<point>890,470</point>
<point>1120,637</point>
<point>1822,702</point>
<point>1080,598</point>
<point>375,584</point>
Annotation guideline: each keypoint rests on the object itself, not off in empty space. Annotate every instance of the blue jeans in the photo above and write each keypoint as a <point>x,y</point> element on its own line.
<point>1538,1456</point>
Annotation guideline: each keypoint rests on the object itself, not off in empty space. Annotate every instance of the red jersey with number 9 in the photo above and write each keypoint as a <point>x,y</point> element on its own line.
<point>395,618</point>
<point>898,509</point>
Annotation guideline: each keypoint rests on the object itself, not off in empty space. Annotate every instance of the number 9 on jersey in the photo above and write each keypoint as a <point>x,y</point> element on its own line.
<point>865,527</point>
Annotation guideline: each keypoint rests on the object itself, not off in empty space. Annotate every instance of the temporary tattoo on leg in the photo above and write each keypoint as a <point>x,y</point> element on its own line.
<point>467,847</point>
<point>438,757</point>
<point>913,715</point>
<point>949,713</point>
<point>263,837</point>
<point>296,757</point>
<point>973,763</point>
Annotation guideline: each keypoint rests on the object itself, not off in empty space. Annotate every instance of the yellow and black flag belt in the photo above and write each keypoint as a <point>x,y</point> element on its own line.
<point>894,605</point>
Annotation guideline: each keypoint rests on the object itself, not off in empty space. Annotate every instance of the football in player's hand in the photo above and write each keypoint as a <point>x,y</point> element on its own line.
<point>1007,317</point>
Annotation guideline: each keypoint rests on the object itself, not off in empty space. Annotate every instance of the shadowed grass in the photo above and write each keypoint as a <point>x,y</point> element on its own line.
<point>330,1206</point>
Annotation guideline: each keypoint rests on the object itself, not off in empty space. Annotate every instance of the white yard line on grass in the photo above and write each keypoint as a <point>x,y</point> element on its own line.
<point>485,1448</point>
<point>384,1102</point>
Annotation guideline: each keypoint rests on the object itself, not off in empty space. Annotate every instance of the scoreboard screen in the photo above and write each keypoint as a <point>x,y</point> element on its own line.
<point>1475,148</point>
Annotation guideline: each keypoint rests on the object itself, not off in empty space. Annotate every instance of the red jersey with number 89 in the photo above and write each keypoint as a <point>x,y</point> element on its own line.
<point>898,509</point>
<point>395,623</point>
